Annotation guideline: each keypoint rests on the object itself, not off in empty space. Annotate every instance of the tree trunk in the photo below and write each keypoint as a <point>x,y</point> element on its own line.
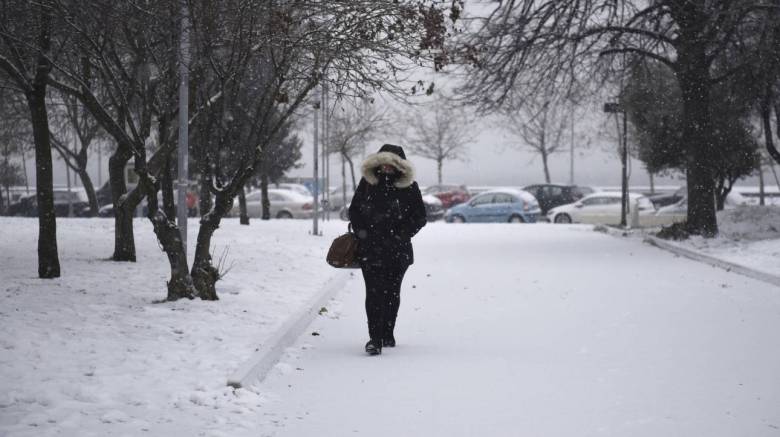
<point>124,240</point>
<point>546,166</point>
<point>652,182</point>
<point>352,172</point>
<point>204,203</point>
<point>204,274</point>
<point>169,205</point>
<point>766,122</point>
<point>343,181</point>
<point>721,191</point>
<point>439,165</point>
<point>24,172</point>
<point>774,174</point>
<point>761,182</point>
<point>264,194</point>
<point>243,213</point>
<point>168,235</point>
<point>81,160</point>
<point>48,259</point>
<point>693,76</point>
<point>86,181</point>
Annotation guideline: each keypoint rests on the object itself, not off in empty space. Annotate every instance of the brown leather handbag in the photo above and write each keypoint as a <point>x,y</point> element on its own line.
<point>343,251</point>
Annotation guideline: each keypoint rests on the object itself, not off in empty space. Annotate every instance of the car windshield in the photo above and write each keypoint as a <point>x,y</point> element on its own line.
<point>62,196</point>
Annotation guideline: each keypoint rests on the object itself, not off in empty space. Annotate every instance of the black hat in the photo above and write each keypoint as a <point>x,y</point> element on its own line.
<point>392,148</point>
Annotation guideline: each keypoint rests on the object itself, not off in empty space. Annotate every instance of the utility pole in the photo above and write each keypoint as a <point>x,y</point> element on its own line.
<point>100,164</point>
<point>624,183</point>
<point>615,108</point>
<point>67,176</point>
<point>324,152</point>
<point>184,98</point>
<point>326,146</point>
<point>326,134</point>
<point>571,148</point>
<point>316,95</point>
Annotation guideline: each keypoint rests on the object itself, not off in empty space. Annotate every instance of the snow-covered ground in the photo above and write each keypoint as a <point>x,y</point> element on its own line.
<point>504,330</point>
<point>541,330</point>
<point>90,354</point>
<point>749,236</point>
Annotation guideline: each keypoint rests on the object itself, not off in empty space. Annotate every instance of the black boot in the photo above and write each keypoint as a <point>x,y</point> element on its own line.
<point>374,347</point>
<point>388,341</point>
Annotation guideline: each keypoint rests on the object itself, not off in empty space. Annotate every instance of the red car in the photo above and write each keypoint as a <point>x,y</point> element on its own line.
<point>450,195</point>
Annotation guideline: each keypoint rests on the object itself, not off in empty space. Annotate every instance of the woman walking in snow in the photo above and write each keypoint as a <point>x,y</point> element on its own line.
<point>386,212</point>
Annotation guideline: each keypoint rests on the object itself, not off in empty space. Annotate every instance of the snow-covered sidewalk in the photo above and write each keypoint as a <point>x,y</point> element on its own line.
<point>90,354</point>
<point>540,330</point>
<point>749,236</point>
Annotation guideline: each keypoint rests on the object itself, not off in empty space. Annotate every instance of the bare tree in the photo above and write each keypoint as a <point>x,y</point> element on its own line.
<point>26,51</point>
<point>540,127</point>
<point>15,136</point>
<point>10,173</point>
<point>526,47</point>
<point>357,47</point>
<point>71,119</point>
<point>441,134</point>
<point>119,65</point>
<point>351,128</point>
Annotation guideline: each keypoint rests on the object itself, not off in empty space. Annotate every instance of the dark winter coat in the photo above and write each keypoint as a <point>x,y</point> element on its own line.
<point>387,210</point>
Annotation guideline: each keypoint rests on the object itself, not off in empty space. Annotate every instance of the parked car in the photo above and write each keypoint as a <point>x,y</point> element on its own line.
<point>600,208</point>
<point>104,193</point>
<point>434,210</point>
<point>24,206</point>
<point>27,206</point>
<point>450,195</point>
<point>678,212</point>
<point>337,202</point>
<point>106,211</point>
<point>298,188</point>
<point>551,195</point>
<point>504,205</point>
<point>284,204</point>
<point>664,199</point>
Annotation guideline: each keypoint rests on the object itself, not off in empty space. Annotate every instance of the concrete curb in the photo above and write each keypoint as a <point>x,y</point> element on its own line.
<point>711,260</point>
<point>269,352</point>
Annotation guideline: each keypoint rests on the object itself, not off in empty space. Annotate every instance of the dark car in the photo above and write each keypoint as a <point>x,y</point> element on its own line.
<point>64,200</point>
<point>552,195</point>
<point>26,206</point>
<point>666,199</point>
<point>450,195</point>
<point>103,193</point>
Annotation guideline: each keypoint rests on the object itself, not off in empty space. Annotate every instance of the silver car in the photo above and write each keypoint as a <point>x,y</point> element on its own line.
<point>284,204</point>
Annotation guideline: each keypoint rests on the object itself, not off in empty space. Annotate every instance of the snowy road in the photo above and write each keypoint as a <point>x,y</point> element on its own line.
<point>540,331</point>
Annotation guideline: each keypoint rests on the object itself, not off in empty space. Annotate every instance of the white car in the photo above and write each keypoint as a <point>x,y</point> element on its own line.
<point>337,201</point>
<point>601,208</point>
<point>298,188</point>
<point>284,204</point>
<point>678,212</point>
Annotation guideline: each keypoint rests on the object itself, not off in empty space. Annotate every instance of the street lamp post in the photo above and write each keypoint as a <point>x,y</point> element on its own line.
<point>615,108</point>
<point>183,158</point>
<point>316,98</point>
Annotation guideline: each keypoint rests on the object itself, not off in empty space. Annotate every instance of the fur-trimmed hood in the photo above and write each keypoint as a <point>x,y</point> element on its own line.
<point>404,167</point>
